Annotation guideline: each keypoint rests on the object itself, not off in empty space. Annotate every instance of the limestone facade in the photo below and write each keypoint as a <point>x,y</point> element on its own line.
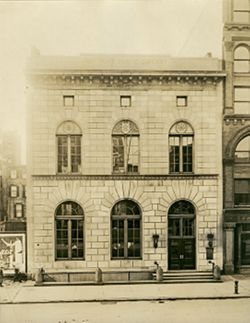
<point>153,86</point>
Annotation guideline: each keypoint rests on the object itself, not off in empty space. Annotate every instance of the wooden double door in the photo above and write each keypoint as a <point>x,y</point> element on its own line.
<point>181,242</point>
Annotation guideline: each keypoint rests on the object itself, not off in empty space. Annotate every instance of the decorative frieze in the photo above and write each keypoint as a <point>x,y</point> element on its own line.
<point>123,177</point>
<point>126,80</point>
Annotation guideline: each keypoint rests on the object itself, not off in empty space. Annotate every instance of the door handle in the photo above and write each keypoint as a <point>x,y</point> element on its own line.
<point>181,256</point>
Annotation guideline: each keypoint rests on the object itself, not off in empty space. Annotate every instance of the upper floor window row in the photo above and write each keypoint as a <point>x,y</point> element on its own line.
<point>242,100</point>
<point>125,148</point>
<point>241,11</point>
<point>242,59</point>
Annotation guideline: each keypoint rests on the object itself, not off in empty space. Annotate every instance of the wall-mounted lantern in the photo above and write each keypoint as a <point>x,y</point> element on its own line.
<point>155,239</point>
<point>210,248</point>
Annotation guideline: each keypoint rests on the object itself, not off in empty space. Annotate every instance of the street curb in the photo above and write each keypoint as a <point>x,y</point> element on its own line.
<point>118,300</point>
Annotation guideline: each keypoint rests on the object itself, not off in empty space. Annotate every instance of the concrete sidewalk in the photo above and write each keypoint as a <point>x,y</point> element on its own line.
<point>25,293</point>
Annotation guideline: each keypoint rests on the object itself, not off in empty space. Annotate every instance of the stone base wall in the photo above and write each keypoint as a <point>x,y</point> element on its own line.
<point>97,197</point>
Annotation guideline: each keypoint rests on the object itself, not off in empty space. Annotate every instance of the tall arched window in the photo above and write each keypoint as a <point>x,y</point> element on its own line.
<point>69,218</point>
<point>68,148</point>
<point>125,139</point>
<point>242,166</point>
<point>181,137</point>
<point>126,230</point>
<point>242,151</point>
<point>241,60</point>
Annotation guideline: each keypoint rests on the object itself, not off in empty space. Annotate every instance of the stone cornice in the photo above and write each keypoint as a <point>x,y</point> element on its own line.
<point>237,26</point>
<point>124,79</point>
<point>124,177</point>
<point>236,119</point>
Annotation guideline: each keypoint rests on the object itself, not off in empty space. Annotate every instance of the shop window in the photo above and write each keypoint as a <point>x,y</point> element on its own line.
<point>242,192</point>
<point>181,138</point>
<point>241,60</point>
<point>69,148</point>
<point>69,219</point>
<point>125,139</point>
<point>242,151</point>
<point>18,210</point>
<point>126,230</point>
<point>14,191</point>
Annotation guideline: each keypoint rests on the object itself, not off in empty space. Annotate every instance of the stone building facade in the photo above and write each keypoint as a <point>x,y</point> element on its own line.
<point>236,136</point>
<point>125,163</point>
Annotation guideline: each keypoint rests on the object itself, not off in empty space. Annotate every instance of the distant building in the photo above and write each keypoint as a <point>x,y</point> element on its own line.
<point>124,163</point>
<point>10,148</point>
<point>236,136</point>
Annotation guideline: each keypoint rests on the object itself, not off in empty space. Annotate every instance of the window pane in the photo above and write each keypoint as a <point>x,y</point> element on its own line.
<point>188,227</point>
<point>75,146</point>
<point>242,192</point>
<point>242,94</point>
<point>174,155</point>
<point>132,154</point>
<point>241,16</point>
<point>61,238</point>
<point>134,238</point>
<point>117,238</point>
<point>174,227</point>
<point>118,154</point>
<point>242,152</point>
<point>187,153</point>
<point>241,66</point>
<point>62,146</point>
<point>242,107</point>
<point>77,239</point>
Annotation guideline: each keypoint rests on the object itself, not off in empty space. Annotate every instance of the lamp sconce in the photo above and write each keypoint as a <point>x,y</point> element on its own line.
<point>156,240</point>
<point>210,238</point>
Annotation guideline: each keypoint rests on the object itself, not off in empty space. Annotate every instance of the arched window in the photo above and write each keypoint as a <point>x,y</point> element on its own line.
<point>181,138</point>
<point>242,161</point>
<point>242,151</point>
<point>69,219</point>
<point>68,148</point>
<point>126,230</point>
<point>241,60</point>
<point>125,139</point>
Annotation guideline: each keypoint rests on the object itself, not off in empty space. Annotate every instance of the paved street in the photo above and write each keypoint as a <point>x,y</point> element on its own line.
<point>206,311</point>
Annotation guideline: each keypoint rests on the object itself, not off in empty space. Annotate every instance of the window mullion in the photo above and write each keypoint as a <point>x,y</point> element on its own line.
<point>69,154</point>
<point>181,154</point>
<point>125,238</point>
<point>125,155</point>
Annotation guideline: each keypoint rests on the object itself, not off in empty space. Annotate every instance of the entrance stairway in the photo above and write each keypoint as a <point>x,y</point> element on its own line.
<point>188,276</point>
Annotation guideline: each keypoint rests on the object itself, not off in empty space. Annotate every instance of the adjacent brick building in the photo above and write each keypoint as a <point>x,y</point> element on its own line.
<point>124,162</point>
<point>236,136</point>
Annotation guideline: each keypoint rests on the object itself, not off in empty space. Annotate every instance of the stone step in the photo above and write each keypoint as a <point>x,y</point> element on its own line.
<point>187,277</point>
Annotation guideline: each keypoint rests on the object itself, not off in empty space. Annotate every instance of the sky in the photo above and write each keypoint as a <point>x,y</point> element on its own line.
<point>182,28</point>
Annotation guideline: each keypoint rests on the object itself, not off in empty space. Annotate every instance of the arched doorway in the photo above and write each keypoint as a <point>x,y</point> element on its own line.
<point>181,236</point>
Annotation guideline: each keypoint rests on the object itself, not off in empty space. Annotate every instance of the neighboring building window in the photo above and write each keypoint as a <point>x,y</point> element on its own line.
<point>126,230</point>
<point>19,210</point>
<point>68,100</point>
<point>13,191</point>
<point>24,191</point>
<point>242,192</point>
<point>241,60</point>
<point>125,101</point>
<point>69,219</point>
<point>69,148</point>
<point>181,148</point>
<point>241,12</point>
<point>242,151</point>
<point>181,101</point>
<point>13,174</point>
<point>125,138</point>
<point>242,100</point>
